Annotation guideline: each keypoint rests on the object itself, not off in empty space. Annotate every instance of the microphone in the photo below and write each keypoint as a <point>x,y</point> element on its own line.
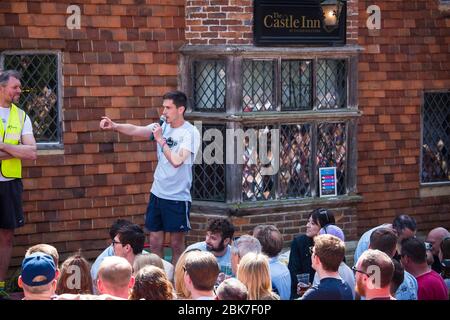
<point>162,119</point>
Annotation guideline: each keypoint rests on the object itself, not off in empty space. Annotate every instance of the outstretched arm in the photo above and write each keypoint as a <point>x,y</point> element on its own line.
<point>125,128</point>
<point>24,151</point>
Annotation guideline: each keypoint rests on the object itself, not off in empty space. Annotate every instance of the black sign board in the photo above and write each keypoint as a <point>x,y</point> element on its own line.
<point>278,22</point>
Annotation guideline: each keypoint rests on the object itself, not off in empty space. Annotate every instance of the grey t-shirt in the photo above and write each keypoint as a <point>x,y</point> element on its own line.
<point>172,183</point>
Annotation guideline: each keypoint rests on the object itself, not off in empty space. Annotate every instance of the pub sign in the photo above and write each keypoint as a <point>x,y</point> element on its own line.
<point>291,22</point>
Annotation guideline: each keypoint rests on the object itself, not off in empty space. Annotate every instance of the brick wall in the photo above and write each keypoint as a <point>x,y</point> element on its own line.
<point>125,57</point>
<point>119,63</point>
<point>407,56</point>
<point>289,222</point>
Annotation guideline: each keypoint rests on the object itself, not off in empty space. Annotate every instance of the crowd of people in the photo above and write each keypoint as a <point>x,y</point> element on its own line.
<point>390,263</point>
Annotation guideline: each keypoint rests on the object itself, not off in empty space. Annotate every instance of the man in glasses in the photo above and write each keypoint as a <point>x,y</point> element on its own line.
<point>127,242</point>
<point>385,240</point>
<point>403,225</point>
<point>17,143</point>
<point>373,273</point>
<point>327,254</point>
<point>433,241</point>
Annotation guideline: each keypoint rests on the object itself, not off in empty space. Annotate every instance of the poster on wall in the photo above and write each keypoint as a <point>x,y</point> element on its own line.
<point>328,182</point>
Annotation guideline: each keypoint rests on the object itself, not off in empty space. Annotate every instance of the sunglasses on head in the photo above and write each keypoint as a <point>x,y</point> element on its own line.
<point>325,213</point>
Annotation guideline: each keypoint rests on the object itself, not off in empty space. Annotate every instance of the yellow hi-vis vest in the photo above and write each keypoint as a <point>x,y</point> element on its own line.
<point>12,168</point>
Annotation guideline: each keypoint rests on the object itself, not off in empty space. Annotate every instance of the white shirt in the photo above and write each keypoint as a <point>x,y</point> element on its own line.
<point>27,129</point>
<point>172,183</point>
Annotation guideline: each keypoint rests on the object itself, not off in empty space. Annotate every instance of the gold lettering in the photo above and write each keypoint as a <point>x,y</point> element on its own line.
<point>266,24</point>
<point>276,23</point>
<point>280,21</point>
<point>310,24</point>
<point>317,24</point>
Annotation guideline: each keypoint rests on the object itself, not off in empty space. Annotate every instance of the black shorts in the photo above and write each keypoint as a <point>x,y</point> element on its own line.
<point>11,211</point>
<point>167,215</point>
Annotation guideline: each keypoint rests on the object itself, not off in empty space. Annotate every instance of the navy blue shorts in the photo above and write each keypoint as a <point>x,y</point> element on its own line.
<point>11,212</point>
<point>167,215</point>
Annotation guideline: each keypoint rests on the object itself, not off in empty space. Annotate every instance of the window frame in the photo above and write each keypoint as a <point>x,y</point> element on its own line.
<point>58,145</point>
<point>235,118</point>
<point>422,111</point>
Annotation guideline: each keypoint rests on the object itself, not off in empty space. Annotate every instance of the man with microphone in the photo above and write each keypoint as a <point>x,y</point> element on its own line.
<point>170,198</point>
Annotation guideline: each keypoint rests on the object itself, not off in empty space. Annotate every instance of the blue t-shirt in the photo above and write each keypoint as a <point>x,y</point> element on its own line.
<point>408,288</point>
<point>281,278</point>
<point>172,183</point>
<point>224,261</point>
<point>329,289</point>
<point>364,242</point>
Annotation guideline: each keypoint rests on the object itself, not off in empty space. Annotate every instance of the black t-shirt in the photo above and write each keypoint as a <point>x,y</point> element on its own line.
<point>436,266</point>
<point>329,289</point>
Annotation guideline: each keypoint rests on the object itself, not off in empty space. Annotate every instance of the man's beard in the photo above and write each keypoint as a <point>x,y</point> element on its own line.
<point>218,249</point>
<point>15,99</point>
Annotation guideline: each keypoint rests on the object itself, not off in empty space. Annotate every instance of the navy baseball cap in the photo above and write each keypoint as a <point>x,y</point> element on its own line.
<point>38,269</point>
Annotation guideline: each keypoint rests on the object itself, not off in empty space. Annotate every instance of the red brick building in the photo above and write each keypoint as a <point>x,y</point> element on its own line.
<point>127,53</point>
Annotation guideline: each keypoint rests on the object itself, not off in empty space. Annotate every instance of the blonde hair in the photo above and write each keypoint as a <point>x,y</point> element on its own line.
<point>253,271</point>
<point>143,260</point>
<point>152,284</point>
<point>44,248</point>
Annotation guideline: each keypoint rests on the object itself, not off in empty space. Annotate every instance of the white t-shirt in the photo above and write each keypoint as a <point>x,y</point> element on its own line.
<point>172,183</point>
<point>27,129</point>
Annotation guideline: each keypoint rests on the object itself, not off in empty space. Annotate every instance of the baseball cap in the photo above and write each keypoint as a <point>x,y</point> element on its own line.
<point>334,230</point>
<point>38,269</point>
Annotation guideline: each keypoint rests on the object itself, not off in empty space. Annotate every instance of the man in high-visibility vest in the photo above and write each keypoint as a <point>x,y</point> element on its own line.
<point>16,143</point>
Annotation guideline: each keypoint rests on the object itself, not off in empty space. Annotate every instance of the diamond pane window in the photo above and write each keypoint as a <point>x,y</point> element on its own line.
<point>209,85</point>
<point>296,85</point>
<point>302,103</point>
<point>209,179</point>
<point>258,85</point>
<point>257,184</point>
<point>39,98</point>
<point>332,150</point>
<point>295,161</point>
<point>331,84</point>
<point>436,137</point>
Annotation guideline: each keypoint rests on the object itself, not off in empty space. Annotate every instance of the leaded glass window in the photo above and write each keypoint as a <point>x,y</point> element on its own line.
<point>264,88</point>
<point>39,98</point>
<point>209,178</point>
<point>436,137</point>
<point>209,85</point>
<point>258,85</point>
